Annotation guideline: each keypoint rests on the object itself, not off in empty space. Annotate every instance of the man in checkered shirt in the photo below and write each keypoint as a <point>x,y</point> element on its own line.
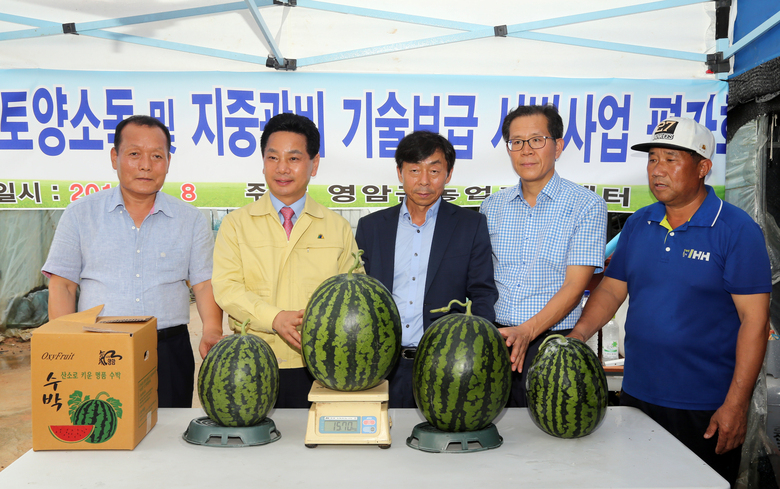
<point>548,236</point>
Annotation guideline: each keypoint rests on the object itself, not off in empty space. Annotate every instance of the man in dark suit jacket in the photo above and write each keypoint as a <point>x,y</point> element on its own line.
<point>426,251</point>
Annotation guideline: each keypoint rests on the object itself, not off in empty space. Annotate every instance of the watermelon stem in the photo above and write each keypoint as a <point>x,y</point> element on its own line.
<point>106,393</point>
<point>551,337</point>
<point>357,263</point>
<point>467,305</point>
<point>243,327</point>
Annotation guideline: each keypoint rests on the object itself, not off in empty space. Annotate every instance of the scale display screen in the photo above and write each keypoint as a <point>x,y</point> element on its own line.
<point>347,424</point>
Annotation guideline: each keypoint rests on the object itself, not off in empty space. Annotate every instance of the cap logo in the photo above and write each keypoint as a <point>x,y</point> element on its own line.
<point>666,127</point>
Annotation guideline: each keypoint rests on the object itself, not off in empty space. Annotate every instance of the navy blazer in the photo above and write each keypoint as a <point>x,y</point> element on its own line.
<point>460,264</point>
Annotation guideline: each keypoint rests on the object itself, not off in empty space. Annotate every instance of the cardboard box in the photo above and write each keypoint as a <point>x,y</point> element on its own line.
<point>90,374</point>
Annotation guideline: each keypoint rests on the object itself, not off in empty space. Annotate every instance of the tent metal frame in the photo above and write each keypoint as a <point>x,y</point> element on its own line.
<point>276,60</point>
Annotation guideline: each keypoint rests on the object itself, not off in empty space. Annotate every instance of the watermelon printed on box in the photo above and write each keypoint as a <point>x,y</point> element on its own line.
<point>101,414</point>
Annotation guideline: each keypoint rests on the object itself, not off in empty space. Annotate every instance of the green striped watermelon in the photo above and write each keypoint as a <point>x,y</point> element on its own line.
<point>462,373</point>
<point>238,381</point>
<point>351,334</point>
<point>101,413</point>
<point>567,388</point>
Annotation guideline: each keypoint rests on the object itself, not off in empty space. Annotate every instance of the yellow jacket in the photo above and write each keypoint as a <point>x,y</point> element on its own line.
<point>258,272</point>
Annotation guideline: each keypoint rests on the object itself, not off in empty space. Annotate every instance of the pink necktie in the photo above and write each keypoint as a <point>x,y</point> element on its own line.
<point>287,212</point>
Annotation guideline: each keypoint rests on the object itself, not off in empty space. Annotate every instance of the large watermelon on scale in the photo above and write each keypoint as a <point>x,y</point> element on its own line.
<point>567,388</point>
<point>351,333</point>
<point>462,373</point>
<point>238,381</point>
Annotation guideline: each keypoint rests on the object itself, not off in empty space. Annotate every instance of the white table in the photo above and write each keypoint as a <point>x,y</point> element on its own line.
<point>629,450</point>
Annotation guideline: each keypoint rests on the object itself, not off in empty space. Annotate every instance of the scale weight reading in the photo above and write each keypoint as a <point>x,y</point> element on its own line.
<point>348,418</point>
<point>347,424</point>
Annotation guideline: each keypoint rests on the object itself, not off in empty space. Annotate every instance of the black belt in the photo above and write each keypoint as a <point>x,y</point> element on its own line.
<point>164,334</point>
<point>408,353</point>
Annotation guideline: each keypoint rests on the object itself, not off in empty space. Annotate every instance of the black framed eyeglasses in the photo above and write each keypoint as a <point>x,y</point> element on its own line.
<point>536,142</point>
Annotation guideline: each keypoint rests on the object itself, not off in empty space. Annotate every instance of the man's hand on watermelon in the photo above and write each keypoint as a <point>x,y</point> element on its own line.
<point>286,325</point>
<point>518,338</point>
<point>209,339</point>
<point>558,307</point>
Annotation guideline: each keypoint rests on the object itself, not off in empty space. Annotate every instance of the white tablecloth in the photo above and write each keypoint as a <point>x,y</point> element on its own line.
<point>628,450</point>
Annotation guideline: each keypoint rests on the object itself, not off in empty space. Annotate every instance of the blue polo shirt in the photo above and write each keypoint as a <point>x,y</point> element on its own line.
<point>682,325</point>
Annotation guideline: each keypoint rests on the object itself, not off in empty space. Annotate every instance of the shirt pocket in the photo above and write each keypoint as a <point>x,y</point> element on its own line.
<point>260,259</point>
<point>320,258</point>
<point>553,257</point>
<point>171,264</point>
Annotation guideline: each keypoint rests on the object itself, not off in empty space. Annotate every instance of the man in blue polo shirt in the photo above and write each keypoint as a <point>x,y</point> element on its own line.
<point>699,278</point>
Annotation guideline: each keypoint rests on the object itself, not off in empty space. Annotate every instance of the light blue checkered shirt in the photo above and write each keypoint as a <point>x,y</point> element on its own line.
<point>532,246</point>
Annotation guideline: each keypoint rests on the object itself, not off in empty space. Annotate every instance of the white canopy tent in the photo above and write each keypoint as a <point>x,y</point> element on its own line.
<point>664,42</point>
<point>559,38</point>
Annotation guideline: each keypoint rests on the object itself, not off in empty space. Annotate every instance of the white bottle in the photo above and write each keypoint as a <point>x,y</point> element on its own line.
<point>609,341</point>
<point>593,342</point>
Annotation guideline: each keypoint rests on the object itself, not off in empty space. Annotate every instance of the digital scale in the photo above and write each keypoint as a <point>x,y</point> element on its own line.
<point>348,418</point>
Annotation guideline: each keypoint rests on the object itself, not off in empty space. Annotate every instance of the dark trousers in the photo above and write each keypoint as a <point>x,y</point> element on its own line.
<point>400,378</point>
<point>175,367</point>
<point>518,397</point>
<point>294,387</point>
<point>689,426</point>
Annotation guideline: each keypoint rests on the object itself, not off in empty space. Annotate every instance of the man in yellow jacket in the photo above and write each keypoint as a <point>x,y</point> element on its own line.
<point>271,254</point>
